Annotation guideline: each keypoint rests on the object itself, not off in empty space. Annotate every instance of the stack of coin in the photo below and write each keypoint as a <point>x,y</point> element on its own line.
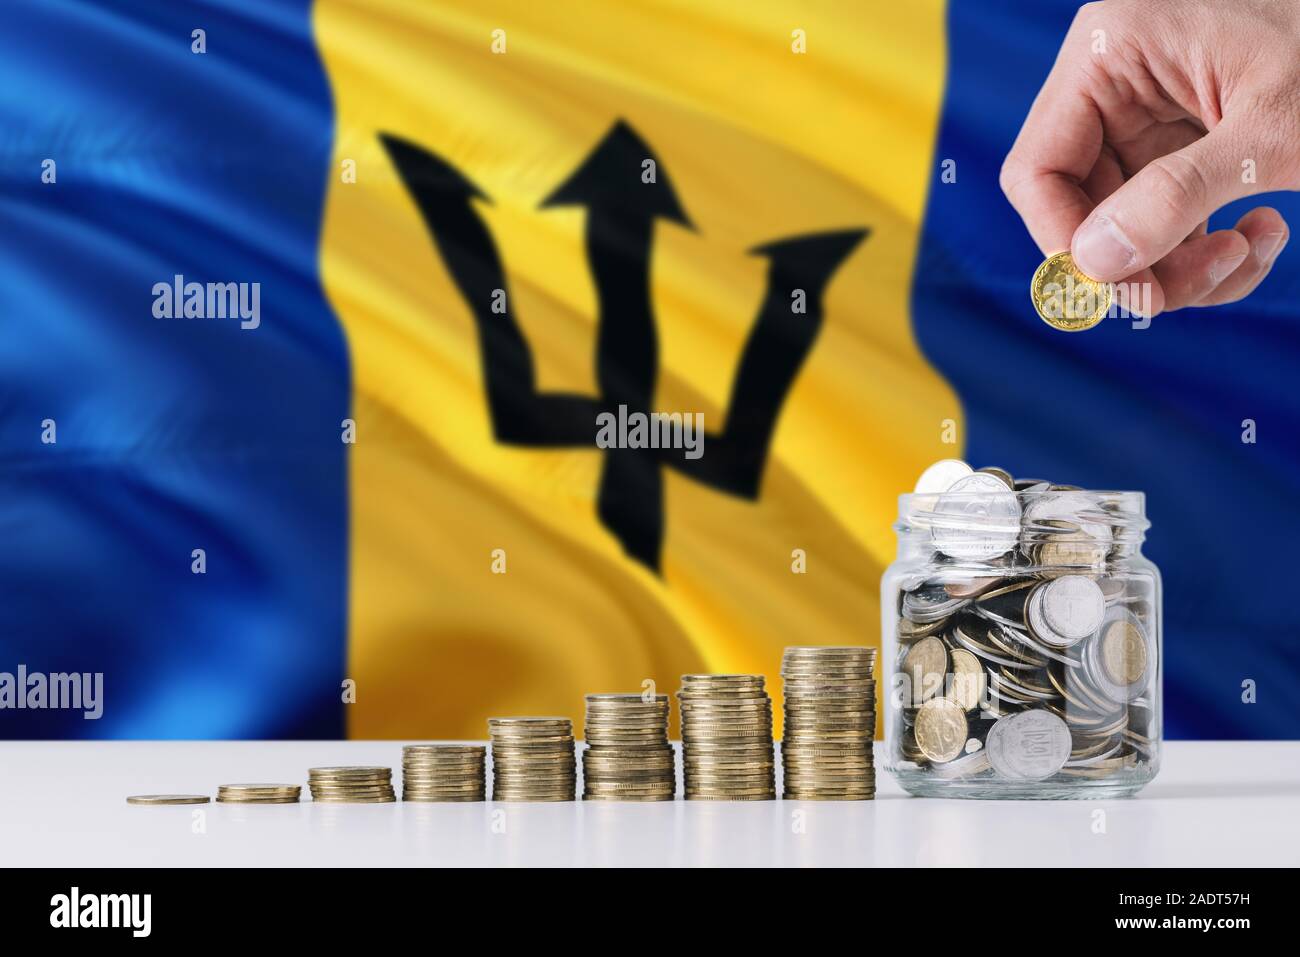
<point>357,785</point>
<point>727,738</point>
<point>259,793</point>
<point>532,759</point>
<point>628,757</point>
<point>444,772</point>
<point>830,722</point>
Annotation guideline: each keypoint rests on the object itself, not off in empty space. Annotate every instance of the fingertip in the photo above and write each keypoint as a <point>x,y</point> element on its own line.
<point>1264,234</point>
<point>1267,232</point>
<point>1261,218</point>
<point>1103,251</point>
<point>1231,248</point>
<point>1195,269</point>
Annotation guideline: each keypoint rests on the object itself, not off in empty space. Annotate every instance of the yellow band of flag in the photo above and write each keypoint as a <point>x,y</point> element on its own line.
<point>773,120</point>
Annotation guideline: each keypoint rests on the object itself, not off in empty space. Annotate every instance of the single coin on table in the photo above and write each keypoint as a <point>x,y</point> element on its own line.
<point>157,799</point>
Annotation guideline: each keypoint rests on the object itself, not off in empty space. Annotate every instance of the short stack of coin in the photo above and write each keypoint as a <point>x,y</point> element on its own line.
<point>727,738</point>
<point>444,772</point>
<point>628,757</point>
<point>830,722</point>
<point>356,785</point>
<point>259,793</point>
<point>532,759</point>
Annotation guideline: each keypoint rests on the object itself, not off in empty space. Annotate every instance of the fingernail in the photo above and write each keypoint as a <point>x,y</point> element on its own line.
<point>1269,246</point>
<point>1223,268</point>
<point>1103,251</point>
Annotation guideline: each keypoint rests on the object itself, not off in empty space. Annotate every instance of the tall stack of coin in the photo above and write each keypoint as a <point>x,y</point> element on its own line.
<point>830,722</point>
<point>444,772</point>
<point>355,785</point>
<point>628,757</point>
<point>259,793</point>
<point>532,759</point>
<point>727,738</point>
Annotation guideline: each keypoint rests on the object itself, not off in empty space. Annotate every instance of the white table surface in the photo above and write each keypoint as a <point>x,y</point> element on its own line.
<point>64,804</point>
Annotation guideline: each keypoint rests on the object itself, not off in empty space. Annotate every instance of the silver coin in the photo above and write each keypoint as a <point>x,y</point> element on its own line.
<point>1033,643</point>
<point>929,604</point>
<point>1114,589</point>
<point>977,519</point>
<point>940,476</point>
<point>1028,746</point>
<point>1070,513</point>
<point>1073,606</point>
<point>1038,626</point>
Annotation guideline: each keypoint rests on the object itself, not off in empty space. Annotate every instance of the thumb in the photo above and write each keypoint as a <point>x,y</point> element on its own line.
<point>1159,207</point>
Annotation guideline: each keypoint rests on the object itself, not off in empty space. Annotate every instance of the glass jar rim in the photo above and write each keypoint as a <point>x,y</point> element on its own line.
<point>1127,494</point>
<point>1032,515</point>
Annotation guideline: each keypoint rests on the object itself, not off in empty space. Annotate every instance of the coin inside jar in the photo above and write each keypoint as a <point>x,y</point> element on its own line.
<point>925,665</point>
<point>940,476</point>
<point>1028,746</point>
<point>941,729</point>
<point>978,518</point>
<point>967,680</point>
<point>1073,606</point>
<point>1124,652</point>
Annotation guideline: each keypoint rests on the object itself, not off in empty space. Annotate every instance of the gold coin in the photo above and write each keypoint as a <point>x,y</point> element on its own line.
<point>941,729</point>
<point>968,679</point>
<point>1065,297</point>
<point>1124,653</point>
<point>168,799</point>
<point>265,800</point>
<point>925,665</point>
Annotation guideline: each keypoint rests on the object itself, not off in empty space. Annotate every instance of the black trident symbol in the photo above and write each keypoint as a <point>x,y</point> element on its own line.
<point>621,210</point>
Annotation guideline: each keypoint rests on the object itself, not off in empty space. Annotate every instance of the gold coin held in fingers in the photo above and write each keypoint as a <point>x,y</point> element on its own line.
<point>1065,297</point>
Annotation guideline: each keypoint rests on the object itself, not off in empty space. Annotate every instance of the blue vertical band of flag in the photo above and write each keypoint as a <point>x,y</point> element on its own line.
<point>1160,410</point>
<point>172,435</point>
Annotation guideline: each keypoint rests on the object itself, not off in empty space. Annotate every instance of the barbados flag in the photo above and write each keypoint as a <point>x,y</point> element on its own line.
<point>309,312</point>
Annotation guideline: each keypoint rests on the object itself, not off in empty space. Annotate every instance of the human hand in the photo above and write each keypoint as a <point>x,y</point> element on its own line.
<point>1157,113</point>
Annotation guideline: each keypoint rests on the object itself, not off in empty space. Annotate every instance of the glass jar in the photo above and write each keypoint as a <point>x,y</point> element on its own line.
<point>1022,637</point>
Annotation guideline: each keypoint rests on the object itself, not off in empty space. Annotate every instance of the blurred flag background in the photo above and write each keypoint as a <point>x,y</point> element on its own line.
<point>376,561</point>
